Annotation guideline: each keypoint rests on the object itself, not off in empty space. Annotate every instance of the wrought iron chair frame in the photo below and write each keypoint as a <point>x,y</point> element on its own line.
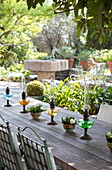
<point>34,149</point>
<point>9,154</point>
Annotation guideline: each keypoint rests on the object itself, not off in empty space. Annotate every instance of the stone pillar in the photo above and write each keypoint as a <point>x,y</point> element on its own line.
<point>44,75</point>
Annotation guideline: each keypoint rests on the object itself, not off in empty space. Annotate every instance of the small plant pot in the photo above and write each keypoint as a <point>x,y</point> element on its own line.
<point>70,62</point>
<point>83,64</point>
<point>110,65</point>
<point>69,127</point>
<point>109,145</point>
<point>35,115</point>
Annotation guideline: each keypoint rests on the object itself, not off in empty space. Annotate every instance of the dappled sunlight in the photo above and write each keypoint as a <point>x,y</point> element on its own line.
<point>71,164</point>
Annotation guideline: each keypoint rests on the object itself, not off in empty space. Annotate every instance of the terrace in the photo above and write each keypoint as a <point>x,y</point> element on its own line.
<point>69,151</point>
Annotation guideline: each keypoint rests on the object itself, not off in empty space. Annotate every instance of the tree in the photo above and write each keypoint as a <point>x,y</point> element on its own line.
<point>60,31</point>
<point>17,27</point>
<point>92,15</point>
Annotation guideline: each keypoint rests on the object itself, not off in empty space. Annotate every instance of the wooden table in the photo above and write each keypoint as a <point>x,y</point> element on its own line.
<point>70,152</point>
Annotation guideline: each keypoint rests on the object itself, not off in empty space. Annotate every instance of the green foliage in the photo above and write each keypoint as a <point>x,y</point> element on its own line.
<point>35,88</point>
<point>16,68</point>
<point>109,136</point>
<point>69,120</point>
<point>64,52</point>
<point>91,15</point>
<point>35,55</point>
<point>3,73</point>
<point>99,56</point>
<point>84,54</point>
<point>71,96</point>
<point>18,26</point>
<point>46,58</point>
<point>92,42</point>
<point>66,95</point>
<point>109,55</point>
<point>35,109</point>
<point>19,68</point>
<point>7,57</point>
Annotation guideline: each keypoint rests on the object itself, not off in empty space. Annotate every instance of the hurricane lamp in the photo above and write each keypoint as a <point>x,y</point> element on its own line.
<point>86,123</point>
<point>7,96</point>
<point>24,102</point>
<point>52,112</point>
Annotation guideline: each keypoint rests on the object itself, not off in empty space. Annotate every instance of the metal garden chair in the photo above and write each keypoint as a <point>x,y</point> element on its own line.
<point>10,158</point>
<point>36,154</point>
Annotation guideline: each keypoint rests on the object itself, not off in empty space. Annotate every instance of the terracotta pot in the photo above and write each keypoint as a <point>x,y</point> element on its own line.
<point>69,127</point>
<point>109,145</point>
<point>110,65</point>
<point>83,64</point>
<point>35,116</point>
<point>70,62</point>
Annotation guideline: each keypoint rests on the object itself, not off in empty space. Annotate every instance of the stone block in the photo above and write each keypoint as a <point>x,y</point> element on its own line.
<point>46,65</point>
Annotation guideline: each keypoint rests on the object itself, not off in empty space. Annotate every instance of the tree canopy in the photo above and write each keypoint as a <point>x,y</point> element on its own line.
<point>17,27</point>
<point>92,15</point>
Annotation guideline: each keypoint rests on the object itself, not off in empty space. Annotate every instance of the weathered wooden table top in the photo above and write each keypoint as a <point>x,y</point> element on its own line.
<point>70,152</point>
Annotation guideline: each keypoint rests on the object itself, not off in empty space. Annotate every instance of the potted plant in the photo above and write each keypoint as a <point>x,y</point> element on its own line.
<point>109,139</point>
<point>66,53</point>
<point>69,123</point>
<point>109,60</point>
<point>35,111</point>
<point>83,55</point>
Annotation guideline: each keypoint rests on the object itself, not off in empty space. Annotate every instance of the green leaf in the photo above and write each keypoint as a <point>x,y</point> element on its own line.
<point>76,11</point>
<point>30,4</point>
<point>93,34</point>
<point>99,13</point>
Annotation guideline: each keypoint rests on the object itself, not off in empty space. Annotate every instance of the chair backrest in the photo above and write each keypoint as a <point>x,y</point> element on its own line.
<point>10,158</point>
<point>98,68</point>
<point>37,155</point>
<point>105,113</point>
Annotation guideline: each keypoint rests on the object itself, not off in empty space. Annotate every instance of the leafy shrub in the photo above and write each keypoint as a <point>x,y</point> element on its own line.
<point>66,96</point>
<point>99,55</point>
<point>83,55</point>
<point>64,52</point>
<point>7,57</point>
<point>19,68</point>
<point>109,56</point>
<point>35,88</point>
<point>35,55</point>
<point>71,96</point>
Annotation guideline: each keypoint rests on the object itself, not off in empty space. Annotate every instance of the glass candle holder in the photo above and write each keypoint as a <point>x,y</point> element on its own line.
<point>24,102</point>
<point>52,112</point>
<point>86,123</point>
<point>7,96</point>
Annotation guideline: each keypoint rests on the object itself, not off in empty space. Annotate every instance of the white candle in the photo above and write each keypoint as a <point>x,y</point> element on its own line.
<point>51,89</point>
<point>85,94</point>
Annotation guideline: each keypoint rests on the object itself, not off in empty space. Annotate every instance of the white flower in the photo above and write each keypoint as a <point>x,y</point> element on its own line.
<point>72,121</point>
